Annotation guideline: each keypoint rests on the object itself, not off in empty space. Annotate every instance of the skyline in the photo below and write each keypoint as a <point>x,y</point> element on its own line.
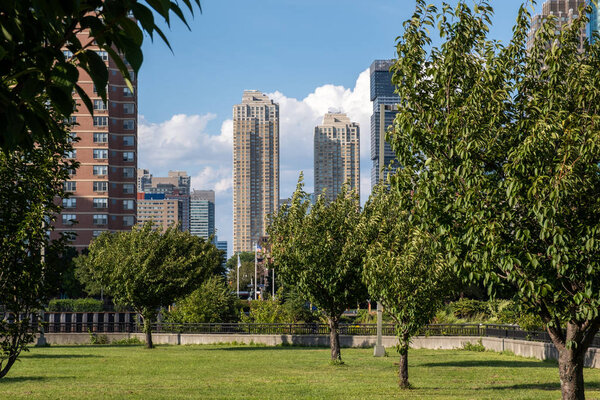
<point>186,115</point>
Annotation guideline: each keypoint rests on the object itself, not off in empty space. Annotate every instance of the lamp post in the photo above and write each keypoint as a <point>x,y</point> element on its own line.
<point>379,350</point>
<point>255,271</point>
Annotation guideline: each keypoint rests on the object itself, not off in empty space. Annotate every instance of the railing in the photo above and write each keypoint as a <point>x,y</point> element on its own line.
<point>129,322</point>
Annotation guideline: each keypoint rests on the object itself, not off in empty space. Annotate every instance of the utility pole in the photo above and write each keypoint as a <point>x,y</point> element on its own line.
<point>255,271</point>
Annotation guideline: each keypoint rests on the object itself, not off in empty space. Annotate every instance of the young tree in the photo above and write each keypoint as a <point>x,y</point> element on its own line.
<point>502,145</point>
<point>30,264</point>
<point>318,252</point>
<point>402,269</point>
<point>246,270</point>
<point>145,269</point>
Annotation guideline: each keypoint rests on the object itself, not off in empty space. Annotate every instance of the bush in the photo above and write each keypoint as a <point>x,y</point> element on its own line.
<point>213,302</point>
<point>479,347</point>
<point>75,305</point>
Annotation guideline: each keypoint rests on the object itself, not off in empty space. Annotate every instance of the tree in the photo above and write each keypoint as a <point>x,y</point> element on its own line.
<point>502,148</point>
<point>145,269</point>
<point>29,263</point>
<point>40,61</point>
<point>246,270</point>
<point>318,252</point>
<point>41,57</point>
<point>212,302</point>
<point>402,269</point>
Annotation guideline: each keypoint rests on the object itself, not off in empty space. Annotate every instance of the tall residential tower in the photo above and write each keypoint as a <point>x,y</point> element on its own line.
<point>255,167</point>
<point>384,100</point>
<point>565,11</point>
<point>103,188</point>
<point>337,155</point>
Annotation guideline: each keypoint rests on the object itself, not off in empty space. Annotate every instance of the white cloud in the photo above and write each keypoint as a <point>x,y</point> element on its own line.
<point>183,143</point>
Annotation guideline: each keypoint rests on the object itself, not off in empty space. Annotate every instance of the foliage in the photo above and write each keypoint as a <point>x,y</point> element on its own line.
<point>317,251</point>
<point>213,301</point>
<point>286,307</point>
<point>42,56</point>
<point>30,264</point>
<point>127,342</point>
<point>500,157</point>
<point>75,305</point>
<point>246,270</point>
<point>146,269</point>
<point>402,269</point>
<point>477,347</point>
<point>98,339</point>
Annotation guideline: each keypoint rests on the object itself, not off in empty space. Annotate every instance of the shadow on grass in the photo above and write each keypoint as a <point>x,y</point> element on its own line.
<point>60,356</point>
<point>492,364</point>
<point>246,347</point>
<point>19,379</point>
<point>541,386</point>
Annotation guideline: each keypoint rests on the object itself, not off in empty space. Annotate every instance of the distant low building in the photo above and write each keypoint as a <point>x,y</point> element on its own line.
<point>163,212</point>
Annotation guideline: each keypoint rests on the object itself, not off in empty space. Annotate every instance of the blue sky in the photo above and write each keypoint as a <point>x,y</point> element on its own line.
<point>309,55</point>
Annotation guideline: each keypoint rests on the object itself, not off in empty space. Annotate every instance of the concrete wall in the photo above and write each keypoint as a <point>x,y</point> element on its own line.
<point>539,350</point>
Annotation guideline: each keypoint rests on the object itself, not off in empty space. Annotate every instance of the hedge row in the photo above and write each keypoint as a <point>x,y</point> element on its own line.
<point>75,305</point>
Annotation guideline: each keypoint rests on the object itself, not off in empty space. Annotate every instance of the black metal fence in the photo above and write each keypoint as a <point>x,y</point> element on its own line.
<point>127,322</point>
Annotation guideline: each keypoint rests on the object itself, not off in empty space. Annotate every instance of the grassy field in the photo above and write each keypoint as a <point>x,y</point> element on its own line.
<point>252,372</point>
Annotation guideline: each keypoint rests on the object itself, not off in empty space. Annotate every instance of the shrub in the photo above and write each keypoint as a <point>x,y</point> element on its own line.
<point>479,347</point>
<point>75,305</point>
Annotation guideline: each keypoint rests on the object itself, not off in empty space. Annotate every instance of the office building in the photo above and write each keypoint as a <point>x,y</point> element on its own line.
<point>157,208</point>
<point>175,186</point>
<point>103,188</point>
<point>384,101</point>
<point>222,245</point>
<point>336,155</point>
<point>565,11</point>
<point>255,167</point>
<point>202,213</point>
<point>594,24</point>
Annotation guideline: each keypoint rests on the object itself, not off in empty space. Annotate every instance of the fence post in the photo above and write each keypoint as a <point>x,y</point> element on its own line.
<point>63,320</point>
<point>95,322</point>
<point>84,322</point>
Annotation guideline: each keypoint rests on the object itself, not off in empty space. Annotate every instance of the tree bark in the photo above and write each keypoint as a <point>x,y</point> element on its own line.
<point>403,364</point>
<point>570,368</point>
<point>334,339</point>
<point>148,330</point>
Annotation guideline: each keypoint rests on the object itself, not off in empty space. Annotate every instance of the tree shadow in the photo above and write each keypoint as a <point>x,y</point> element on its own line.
<point>250,347</point>
<point>59,356</point>
<point>18,379</point>
<point>492,364</point>
<point>550,386</point>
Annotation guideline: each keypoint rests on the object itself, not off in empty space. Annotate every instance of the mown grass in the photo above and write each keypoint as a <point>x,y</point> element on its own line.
<point>256,372</point>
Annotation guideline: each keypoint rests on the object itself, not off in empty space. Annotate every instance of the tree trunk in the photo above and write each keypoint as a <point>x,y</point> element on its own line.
<point>403,364</point>
<point>9,363</point>
<point>148,330</point>
<point>334,340</point>
<point>570,368</point>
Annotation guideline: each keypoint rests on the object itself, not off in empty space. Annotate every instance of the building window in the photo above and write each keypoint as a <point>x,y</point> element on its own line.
<point>100,202</point>
<point>128,156</point>
<point>131,76</point>
<point>128,220</point>
<point>70,186</point>
<point>100,219</point>
<point>128,124</point>
<point>68,54</point>
<point>100,169</point>
<point>127,92</point>
<point>128,172</point>
<point>100,186</point>
<point>71,154</point>
<point>128,204</point>
<point>100,137</point>
<point>128,188</point>
<point>69,219</point>
<point>69,203</point>
<point>99,104</point>
<point>100,154</point>
<point>100,121</point>
<point>128,140</point>
<point>97,233</point>
<point>128,108</point>
<point>103,55</point>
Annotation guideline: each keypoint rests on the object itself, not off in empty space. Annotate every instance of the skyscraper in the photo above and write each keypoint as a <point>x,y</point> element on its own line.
<point>594,24</point>
<point>103,188</point>
<point>384,98</point>
<point>202,213</point>
<point>336,155</point>
<point>255,167</point>
<point>565,11</point>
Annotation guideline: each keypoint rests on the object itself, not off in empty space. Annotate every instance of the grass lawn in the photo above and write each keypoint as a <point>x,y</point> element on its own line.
<point>252,372</point>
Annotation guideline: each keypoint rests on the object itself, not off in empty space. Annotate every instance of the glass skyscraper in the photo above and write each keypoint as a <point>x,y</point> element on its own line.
<point>382,93</point>
<point>594,24</point>
<point>202,213</point>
